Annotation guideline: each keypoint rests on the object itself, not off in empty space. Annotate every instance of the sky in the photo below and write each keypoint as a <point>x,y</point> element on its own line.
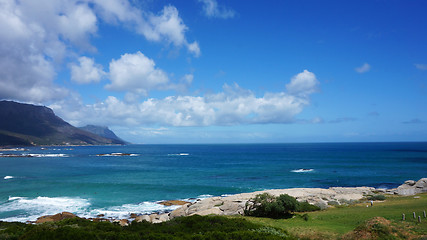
<point>222,71</point>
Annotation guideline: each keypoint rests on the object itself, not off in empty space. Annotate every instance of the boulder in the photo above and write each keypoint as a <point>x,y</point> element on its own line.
<point>55,218</point>
<point>124,222</point>
<point>133,215</point>
<point>173,202</point>
<point>211,211</point>
<point>233,207</point>
<point>410,188</point>
<point>179,212</point>
<point>410,182</point>
<point>143,218</point>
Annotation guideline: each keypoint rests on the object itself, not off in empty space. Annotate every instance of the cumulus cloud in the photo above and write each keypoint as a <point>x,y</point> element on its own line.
<point>37,36</point>
<point>421,66</point>
<point>136,73</point>
<point>303,84</point>
<point>364,68</point>
<point>212,9</point>
<point>166,26</point>
<point>233,106</point>
<point>86,71</point>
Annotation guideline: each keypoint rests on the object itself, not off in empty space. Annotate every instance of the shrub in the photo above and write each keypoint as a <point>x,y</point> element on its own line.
<point>307,207</point>
<point>378,197</point>
<point>283,206</point>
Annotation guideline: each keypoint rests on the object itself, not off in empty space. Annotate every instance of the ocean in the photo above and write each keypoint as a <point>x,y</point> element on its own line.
<point>92,180</point>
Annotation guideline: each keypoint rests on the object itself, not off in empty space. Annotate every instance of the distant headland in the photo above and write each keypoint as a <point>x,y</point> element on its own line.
<point>30,125</point>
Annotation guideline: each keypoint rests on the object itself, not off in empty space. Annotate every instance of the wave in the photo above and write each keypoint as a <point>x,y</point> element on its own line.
<point>8,177</point>
<point>23,209</point>
<point>29,209</point>
<point>178,154</point>
<point>303,170</point>
<point>116,154</point>
<point>47,155</point>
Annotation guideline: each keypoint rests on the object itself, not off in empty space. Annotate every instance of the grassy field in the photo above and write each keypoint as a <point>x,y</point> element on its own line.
<point>335,222</point>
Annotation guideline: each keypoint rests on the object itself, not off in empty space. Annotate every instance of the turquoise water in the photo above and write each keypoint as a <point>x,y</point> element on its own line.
<point>75,179</point>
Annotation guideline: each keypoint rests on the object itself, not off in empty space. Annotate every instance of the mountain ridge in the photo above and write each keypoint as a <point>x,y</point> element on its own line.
<point>31,125</point>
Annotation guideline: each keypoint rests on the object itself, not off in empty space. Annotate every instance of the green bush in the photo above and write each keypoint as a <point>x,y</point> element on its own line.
<point>378,197</point>
<point>283,206</point>
<point>193,227</point>
<point>307,207</point>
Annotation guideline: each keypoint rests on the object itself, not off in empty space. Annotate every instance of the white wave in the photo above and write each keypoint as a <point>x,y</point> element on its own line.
<point>303,170</point>
<point>8,177</point>
<point>117,154</point>
<point>178,154</point>
<point>47,155</point>
<point>32,208</point>
<point>124,211</point>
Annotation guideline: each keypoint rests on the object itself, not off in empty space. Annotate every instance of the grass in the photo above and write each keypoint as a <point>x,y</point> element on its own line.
<point>335,222</point>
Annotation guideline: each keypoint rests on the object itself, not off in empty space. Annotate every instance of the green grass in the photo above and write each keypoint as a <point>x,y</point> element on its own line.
<point>335,222</point>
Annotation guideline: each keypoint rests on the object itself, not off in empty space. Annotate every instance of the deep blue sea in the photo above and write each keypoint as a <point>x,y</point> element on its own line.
<point>77,180</point>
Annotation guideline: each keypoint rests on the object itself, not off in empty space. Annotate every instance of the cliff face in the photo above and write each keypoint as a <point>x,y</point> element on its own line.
<point>103,132</point>
<point>26,124</point>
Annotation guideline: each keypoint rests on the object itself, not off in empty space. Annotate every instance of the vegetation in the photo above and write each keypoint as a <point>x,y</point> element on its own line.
<point>378,197</point>
<point>381,221</point>
<point>335,222</point>
<point>193,227</point>
<point>283,206</point>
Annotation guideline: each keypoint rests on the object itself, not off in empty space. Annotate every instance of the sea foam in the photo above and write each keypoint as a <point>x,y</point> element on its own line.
<point>32,208</point>
<point>303,170</point>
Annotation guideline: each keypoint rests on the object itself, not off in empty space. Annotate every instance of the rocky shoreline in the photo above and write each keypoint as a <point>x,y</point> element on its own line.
<point>235,204</point>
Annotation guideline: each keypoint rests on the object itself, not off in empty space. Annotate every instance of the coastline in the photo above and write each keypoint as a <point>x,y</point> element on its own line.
<point>235,204</point>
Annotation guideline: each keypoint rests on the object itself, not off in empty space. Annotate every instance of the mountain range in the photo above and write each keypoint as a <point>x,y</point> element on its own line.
<point>30,125</point>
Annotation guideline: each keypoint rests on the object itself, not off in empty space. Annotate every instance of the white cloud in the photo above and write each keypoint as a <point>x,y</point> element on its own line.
<point>421,66</point>
<point>136,73</point>
<point>166,26</point>
<point>37,36</point>
<point>87,71</point>
<point>364,68</point>
<point>194,48</point>
<point>211,8</point>
<point>233,106</point>
<point>303,84</point>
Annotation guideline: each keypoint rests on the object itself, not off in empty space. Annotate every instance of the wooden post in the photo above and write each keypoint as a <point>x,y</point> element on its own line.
<point>424,213</point>
<point>415,216</point>
<point>403,217</point>
<point>419,219</point>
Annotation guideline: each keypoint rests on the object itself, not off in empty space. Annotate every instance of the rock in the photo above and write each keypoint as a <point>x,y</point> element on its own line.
<point>133,215</point>
<point>179,212</point>
<point>421,185</point>
<point>173,202</point>
<point>410,182</point>
<point>124,222</point>
<point>164,217</point>
<point>143,218</point>
<point>158,218</point>
<point>100,215</point>
<point>211,211</point>
<point>233,208</point>
<point>55,218</point>
<point>410,188</point>
<point>406,190</point>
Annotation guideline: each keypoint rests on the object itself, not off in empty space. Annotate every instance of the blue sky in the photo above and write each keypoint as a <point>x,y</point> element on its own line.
<point>222,71</point>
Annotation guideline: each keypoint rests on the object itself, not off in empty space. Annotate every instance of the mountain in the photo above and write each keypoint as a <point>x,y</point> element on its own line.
<point>102,131</point>
<point>27,124</point>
